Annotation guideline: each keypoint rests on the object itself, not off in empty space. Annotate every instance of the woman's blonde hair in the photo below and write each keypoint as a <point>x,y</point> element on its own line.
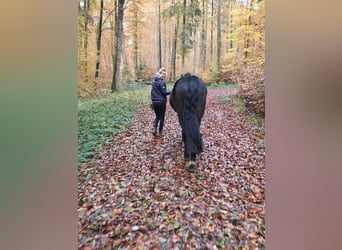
<point>161,70</point>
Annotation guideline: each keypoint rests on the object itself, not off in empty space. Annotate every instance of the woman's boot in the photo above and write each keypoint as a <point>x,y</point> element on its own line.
<point>154,132</point>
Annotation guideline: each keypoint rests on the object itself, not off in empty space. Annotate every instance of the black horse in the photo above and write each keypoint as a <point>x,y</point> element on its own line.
<point>188,99</point>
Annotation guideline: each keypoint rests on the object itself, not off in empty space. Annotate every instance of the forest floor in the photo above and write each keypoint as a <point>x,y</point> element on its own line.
<point>138,194</point>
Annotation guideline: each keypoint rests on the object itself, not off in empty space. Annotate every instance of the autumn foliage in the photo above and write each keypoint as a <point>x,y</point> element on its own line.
<point>252,89</point>
<point>253,96</point>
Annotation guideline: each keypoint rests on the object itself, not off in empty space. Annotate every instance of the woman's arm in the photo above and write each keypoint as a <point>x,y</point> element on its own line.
<point>162,87</point>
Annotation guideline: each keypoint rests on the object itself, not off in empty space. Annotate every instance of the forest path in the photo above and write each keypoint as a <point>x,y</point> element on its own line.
<point>140,196</point>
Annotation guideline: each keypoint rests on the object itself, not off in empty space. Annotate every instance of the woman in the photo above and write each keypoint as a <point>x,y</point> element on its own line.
<point>158,96</point>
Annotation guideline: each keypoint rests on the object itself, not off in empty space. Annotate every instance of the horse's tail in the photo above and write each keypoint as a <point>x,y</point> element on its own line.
<point>191,119</point>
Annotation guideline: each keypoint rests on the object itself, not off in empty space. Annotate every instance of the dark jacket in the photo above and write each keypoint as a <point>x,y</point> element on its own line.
<point>158,91</point>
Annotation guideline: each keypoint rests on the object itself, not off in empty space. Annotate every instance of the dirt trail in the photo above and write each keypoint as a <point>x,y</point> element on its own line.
<point>140,195</point>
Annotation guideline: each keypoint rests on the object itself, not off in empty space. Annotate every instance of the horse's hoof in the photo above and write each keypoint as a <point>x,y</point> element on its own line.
<point>192,166</point>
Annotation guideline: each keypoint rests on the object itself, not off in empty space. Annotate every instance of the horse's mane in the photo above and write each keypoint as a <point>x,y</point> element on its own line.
<point>187,75</point>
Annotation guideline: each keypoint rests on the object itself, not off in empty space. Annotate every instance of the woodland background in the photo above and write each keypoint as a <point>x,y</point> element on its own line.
<point>130,195</point>
<point>127,41</point>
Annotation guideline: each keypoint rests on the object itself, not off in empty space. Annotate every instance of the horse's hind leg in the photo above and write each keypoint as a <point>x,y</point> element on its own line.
<point>186,153</point>
<point>192,163</point>
<point>189,157</point>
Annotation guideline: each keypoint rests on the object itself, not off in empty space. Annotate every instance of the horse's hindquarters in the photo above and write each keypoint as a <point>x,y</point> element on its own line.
<point>188,99</point>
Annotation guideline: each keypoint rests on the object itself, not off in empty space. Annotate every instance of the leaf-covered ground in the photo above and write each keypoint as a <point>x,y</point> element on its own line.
<point>139,195</point>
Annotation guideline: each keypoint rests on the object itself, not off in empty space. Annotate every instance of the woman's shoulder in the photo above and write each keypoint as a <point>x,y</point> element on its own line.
<point>158,80</point>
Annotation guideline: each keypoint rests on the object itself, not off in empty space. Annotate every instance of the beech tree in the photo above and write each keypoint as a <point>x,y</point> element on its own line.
<point>218,54</point>
<point>118,46</point>
<point>98,43</point>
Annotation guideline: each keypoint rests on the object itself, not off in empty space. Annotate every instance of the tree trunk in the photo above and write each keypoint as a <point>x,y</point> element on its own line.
<point>218,39</point>
<point>114,44</point>
<point>212,30</point>
<point>203,38</point>
<point>183,37</point>
<point>85,44</point>
<point>250,8</point>
<point>118,55</point>
<point>98,45</point>
<point>135,44</point>
<point>174,49</point>
<point>159,37</point>
<point>226,47</point>
<point>231,27</point>
<point>194,68</point>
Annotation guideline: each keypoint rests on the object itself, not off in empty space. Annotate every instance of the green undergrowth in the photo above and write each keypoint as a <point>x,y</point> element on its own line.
<point>223,86</point>
<point>100,118</point>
